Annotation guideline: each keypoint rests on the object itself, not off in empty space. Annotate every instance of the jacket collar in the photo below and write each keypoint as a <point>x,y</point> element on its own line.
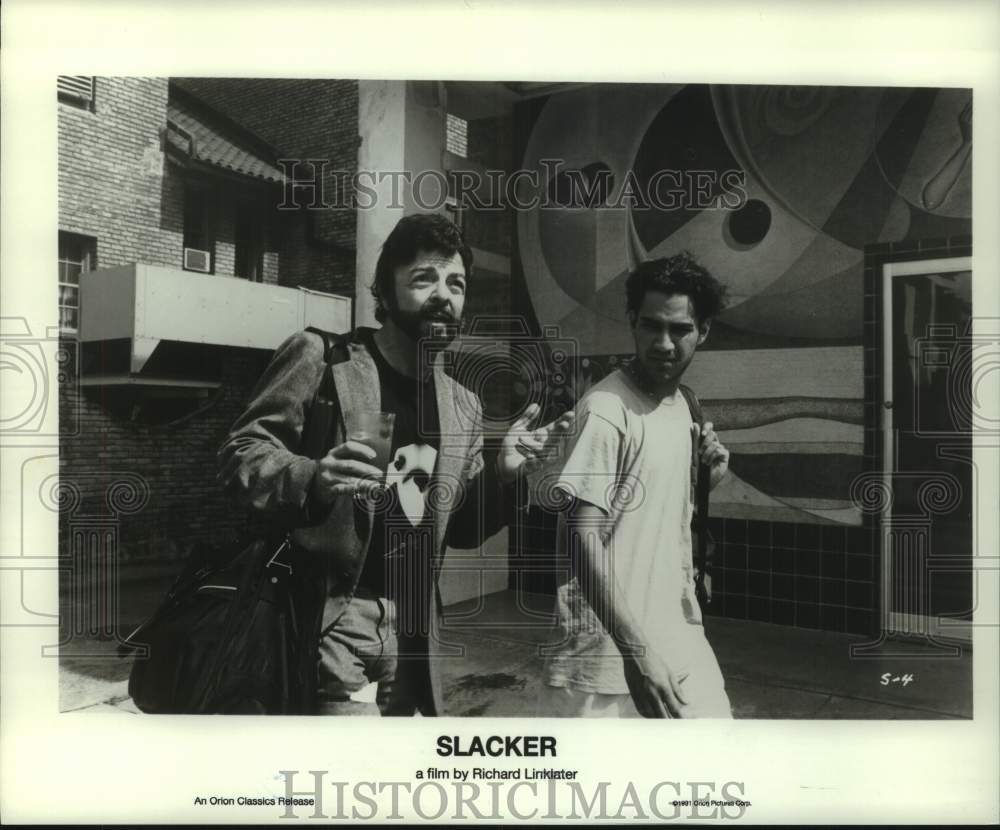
<point>360,382</point>
<point>357,377</point>
<point>356,382</point>
<point>357,385</point>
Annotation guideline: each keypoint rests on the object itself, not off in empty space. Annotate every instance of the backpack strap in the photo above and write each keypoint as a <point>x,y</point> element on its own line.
<point>697,413</point>
<point>325,409</point>
<point>702,483</point>
<point>304,597</point>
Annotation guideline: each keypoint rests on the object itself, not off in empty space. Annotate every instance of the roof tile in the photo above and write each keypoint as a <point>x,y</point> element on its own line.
<point>213,146</point>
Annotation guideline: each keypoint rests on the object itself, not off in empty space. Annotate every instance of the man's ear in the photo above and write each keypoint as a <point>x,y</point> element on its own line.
<point>703,331</point>
<point>384,300</point>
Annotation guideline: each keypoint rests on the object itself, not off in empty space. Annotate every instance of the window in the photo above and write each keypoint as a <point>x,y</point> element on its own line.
<point>249,243</point>
<point>77,255</point>
<point>199,239</point>
<point>457,135</point>
<point>77,90</point>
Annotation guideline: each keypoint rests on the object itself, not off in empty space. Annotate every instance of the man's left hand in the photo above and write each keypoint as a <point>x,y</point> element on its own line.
<point>524,449</point>
<point>713,454</point>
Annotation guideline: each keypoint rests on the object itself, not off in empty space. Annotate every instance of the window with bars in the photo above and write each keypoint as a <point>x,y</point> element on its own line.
<point>457,135</point>
<point>77,255</point>
<point>77,90</point>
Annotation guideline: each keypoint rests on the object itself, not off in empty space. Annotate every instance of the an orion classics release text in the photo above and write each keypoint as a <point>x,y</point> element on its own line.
<point>521,793</point>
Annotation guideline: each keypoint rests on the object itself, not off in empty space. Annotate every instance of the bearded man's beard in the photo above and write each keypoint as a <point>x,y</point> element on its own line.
<point>436,323</point>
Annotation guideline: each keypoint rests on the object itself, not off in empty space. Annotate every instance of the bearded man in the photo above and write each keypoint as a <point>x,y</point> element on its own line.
<point>382,533</point>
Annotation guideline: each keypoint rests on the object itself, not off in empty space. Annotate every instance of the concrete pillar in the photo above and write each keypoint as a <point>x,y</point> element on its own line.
<point>402,129</point>
<point>402,125</point>
<point>382,128</point>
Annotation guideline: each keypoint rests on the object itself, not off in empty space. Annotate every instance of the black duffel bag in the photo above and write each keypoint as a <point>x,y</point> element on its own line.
<point>227,637</point>
<point>224,640</point>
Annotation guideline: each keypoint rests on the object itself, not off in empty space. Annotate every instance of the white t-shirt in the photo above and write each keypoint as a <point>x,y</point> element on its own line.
<point>631,458</point>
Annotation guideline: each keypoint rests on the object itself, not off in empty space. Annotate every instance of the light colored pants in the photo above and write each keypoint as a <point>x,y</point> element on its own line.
<point>701,682</point>
<point>365,669</point>
<point>357,653</point>
<point>567,702</point>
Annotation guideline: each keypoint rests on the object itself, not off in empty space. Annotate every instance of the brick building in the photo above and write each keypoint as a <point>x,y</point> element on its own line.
<point>171,205</point>
<point>188,249</point>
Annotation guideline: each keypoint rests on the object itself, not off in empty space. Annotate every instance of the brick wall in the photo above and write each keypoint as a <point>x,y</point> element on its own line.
<point>307,119</point>
<point>490,143</point>
<point>112,182</point>
<point>176,461</point>
<point>116,186</point>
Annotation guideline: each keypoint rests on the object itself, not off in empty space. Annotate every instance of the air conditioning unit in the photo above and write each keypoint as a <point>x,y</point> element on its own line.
<point>80,87</point>
<point>195,260</point>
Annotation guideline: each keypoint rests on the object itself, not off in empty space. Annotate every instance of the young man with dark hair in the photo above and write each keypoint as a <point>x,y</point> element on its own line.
<point>382,543</point>
<point>632,636</point>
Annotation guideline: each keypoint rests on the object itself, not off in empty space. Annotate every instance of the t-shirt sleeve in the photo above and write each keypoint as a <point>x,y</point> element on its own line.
<point>593,460</point>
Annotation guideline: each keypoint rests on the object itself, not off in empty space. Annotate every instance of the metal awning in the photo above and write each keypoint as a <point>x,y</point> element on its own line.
<point>134,308</point>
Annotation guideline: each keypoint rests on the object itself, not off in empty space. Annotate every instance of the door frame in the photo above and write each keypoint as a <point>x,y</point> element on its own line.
<point>934,626</point>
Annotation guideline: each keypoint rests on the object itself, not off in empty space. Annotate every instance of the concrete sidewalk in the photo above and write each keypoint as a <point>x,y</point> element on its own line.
<point>771,671</point>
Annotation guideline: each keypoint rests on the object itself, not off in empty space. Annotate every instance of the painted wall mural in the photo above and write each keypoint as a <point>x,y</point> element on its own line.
<point>776,190</point>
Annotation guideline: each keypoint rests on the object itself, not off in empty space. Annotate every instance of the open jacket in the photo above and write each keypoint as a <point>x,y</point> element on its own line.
<point>261,467</point>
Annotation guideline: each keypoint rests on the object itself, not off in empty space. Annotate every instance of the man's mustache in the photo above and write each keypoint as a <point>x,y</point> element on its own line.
<point>442,313</point>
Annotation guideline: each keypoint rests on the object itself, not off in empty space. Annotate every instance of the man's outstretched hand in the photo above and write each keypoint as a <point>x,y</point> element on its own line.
<point>525,449</point>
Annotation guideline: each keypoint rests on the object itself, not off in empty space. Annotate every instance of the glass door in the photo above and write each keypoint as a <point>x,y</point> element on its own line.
<point>927,446</point>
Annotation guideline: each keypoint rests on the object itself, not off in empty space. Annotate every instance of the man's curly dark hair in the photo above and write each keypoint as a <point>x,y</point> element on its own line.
<point>431,233</point>
<point>678,274</point>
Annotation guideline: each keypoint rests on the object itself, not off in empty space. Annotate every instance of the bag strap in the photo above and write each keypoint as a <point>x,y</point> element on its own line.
<point>325,409</point>
<point>702,482</point>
